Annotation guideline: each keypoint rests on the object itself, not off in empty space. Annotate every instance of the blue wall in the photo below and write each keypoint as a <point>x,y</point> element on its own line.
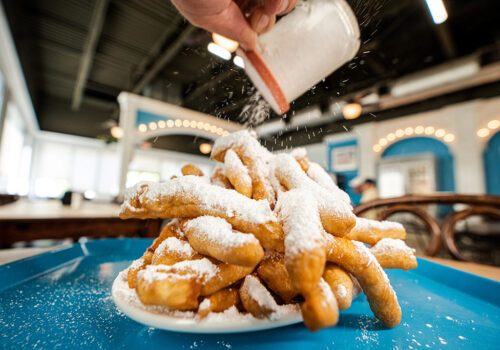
<point>420,145</point>
<point>144,117</point>
<point>492,165</point>
<point>348,175</point>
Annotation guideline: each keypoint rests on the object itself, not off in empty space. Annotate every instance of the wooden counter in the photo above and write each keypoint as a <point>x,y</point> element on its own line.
<point>26,220</point>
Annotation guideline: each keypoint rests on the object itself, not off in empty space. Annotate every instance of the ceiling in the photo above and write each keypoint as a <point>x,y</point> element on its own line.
<point>146,47</point>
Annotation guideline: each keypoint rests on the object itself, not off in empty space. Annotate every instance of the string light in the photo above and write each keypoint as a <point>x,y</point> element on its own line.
<point>238,61</point>
<point>437,10</point>
<point>494,124</point>
<point>449,138</point>
<point>440,132</point>
<point>116,132</point>
<point>205,148</point>
<point>418,130</point>
<point>429,130</point>
<point>352,110</point>
<point>219,51</point>
<point>483,132</point>
<point>226,43</point>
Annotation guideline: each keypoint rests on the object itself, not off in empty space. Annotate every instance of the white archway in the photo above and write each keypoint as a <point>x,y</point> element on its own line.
<point>164,119</point>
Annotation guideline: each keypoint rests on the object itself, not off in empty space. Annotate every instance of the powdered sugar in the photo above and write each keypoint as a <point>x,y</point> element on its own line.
<point>121,290</point>
<point>205,304</point>
<point>231,314</point>
<point>259,293</point>
<point>175,245</point>
<point>327,293</point>
<point>215,230</point>
<point>341,291</point>
<point>286,169</point>
<point>370,258</point>
<point>322,178</point>
<point>363,224</point>
<point>234,165</point>
<point>154,197</point>
<point>299,153</point>
<point>202,268</point>
<point>242,139</point>
<point>390,246</point>
<point>251,149</point>
<point>297,211</point>
<point>136,264</point>
<point>256,111</point>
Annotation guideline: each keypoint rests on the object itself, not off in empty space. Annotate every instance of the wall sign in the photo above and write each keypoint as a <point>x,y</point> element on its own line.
<point>344,158</point>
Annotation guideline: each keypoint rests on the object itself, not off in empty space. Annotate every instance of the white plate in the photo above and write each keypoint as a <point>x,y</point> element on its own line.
<point>126,300</point>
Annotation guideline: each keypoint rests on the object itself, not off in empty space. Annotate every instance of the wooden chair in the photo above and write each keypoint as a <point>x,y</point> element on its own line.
<point>483,205</point>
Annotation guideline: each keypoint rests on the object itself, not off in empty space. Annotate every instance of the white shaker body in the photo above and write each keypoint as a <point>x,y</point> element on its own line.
<point>303,48</point>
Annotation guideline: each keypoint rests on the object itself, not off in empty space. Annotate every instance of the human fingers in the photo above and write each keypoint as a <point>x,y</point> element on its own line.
<point>230,23</point>
<point>261,21</point>
<point>291,5</point>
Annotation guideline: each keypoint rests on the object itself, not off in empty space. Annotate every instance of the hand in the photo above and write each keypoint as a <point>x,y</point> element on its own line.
<point>240,20</point>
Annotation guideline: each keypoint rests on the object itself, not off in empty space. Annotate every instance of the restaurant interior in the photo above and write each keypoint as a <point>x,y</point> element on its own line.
<point>99,96</point>
<point>96,99</point>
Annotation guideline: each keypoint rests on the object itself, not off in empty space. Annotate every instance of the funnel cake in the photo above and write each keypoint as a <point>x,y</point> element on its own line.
<point>267,235</point>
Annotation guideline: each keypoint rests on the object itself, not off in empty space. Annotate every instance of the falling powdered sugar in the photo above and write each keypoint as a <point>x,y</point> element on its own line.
<point>256,111</point>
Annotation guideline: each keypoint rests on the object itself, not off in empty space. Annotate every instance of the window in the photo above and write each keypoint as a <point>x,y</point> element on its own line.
<point>15,155</point>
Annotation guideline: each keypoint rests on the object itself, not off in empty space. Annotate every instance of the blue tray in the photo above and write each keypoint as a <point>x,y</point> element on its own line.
<point>62,299</point>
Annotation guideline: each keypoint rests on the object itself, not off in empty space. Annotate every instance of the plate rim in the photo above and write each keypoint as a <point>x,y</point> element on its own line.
<point>192,326</point>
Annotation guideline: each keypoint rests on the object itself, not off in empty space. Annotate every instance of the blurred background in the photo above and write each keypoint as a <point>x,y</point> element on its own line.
<point>409,127</point>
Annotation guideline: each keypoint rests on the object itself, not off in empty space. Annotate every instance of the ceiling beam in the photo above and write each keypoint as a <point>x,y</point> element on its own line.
<point>208,85</point>
<point>165,58</point>
<point>446,39</point>
<point>95,29</point>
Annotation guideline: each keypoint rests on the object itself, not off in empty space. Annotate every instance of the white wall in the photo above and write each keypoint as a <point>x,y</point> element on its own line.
<point>63,162</point>
<point>463,120</point>
<point>316,152</point>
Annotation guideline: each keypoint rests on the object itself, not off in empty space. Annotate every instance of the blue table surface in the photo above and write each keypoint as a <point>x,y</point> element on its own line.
<point>62,300</point>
